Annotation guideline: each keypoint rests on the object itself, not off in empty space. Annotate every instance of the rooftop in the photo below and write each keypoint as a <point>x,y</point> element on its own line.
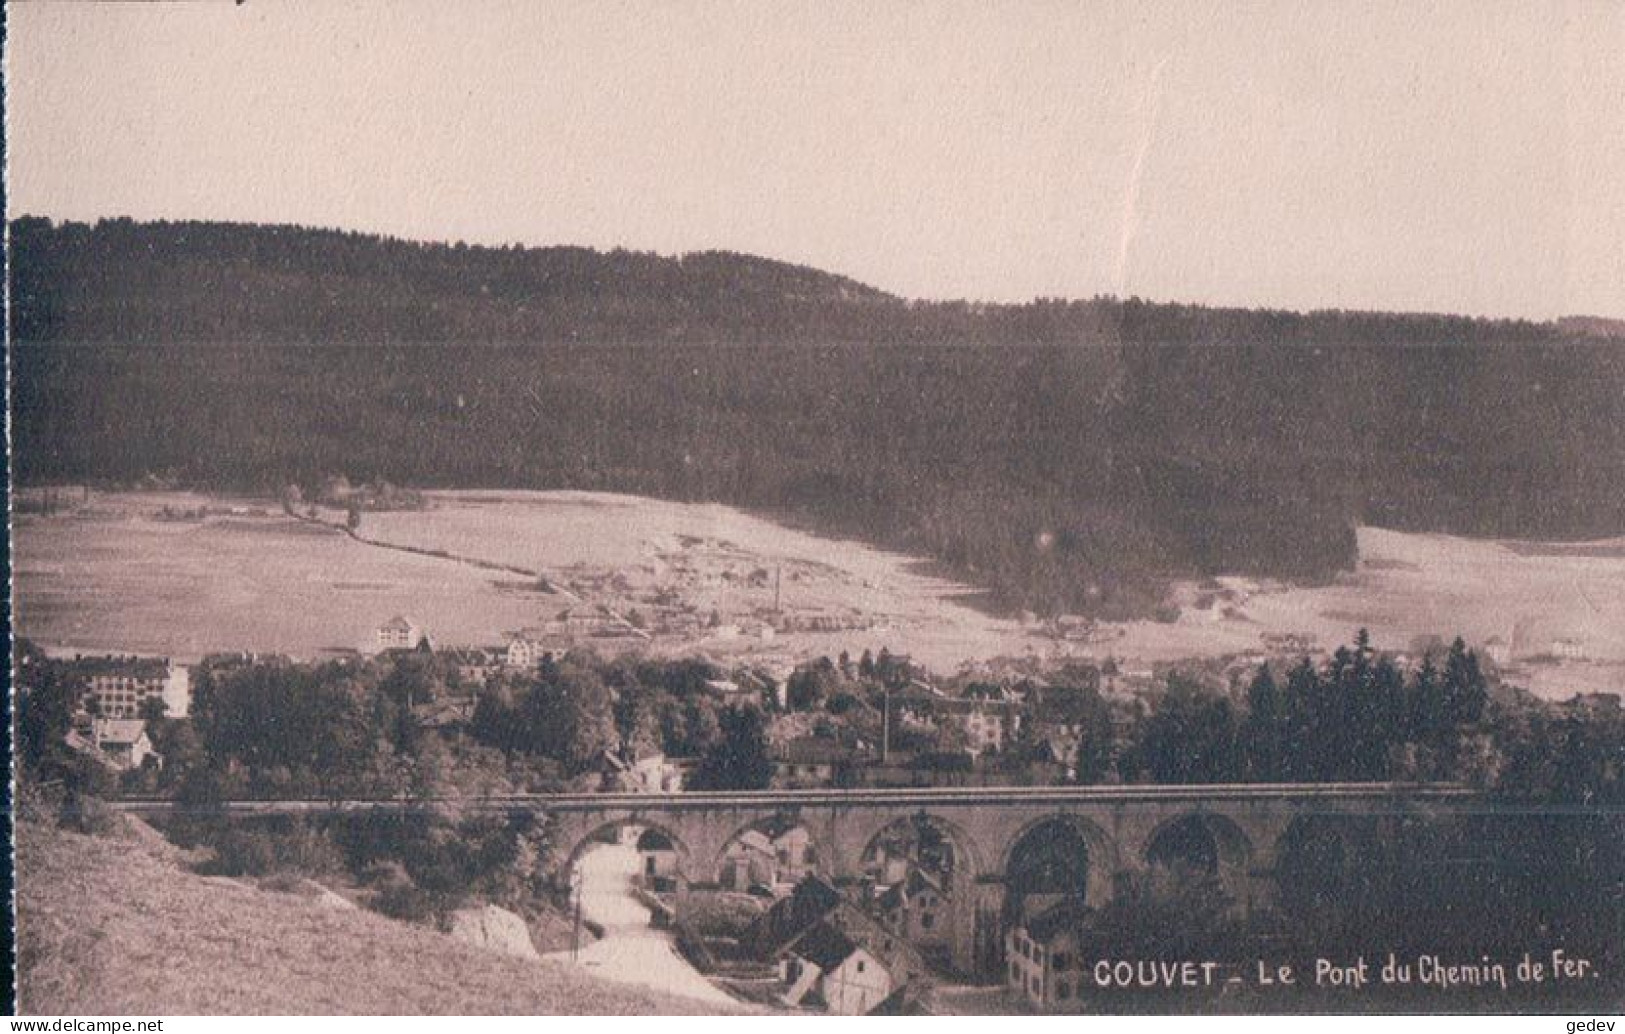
<point>133,667</point>
<point>118,731</point>
<point>823,946</point>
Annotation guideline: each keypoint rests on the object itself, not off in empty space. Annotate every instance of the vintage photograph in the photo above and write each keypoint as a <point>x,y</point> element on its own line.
<point>782,508</point>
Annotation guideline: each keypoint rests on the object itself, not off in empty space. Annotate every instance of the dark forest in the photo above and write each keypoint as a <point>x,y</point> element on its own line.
<point>1065,455</point>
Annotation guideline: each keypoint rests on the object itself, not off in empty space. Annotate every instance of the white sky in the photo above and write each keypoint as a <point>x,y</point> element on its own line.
<point>1443,156</point>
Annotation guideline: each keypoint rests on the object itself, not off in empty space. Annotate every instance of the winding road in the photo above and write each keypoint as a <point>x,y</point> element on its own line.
<point>631,951</point>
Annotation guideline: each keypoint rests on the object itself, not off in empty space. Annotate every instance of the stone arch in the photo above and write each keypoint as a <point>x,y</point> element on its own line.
<point>944,911</point>
<point>1195,846</point>
<point>1330,867</point>
<point>968,862</point>
<point>1054,834</point>
<point>601,834</point>
<point>792,857</point>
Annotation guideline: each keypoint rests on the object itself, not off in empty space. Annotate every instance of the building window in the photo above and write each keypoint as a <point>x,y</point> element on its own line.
<point>1062,990</point>
<point>860,965</point>
<point>925,921</point>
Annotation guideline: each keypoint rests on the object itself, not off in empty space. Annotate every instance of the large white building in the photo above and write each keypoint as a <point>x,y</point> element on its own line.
<point>118,686</point>
<point>400,633</point>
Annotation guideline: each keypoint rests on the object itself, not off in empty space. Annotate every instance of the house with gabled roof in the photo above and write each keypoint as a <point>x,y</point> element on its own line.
<point>528,646</point>
<point>825,967</point>
<point>625,770</point>
<point>1043,958</point>
<point>123,742</point>
<point>814,902</point>
<point>399,633</point>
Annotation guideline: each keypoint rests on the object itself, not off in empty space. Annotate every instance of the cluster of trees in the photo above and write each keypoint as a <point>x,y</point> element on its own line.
<point>578,707</point>
<point>1356,718</point>
<point>1066,455</point>
<point>415,865</point>
<point>346,729</point>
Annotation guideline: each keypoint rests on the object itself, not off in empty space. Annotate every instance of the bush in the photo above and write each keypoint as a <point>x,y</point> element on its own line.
<point>287,883</point>
<point>720,914</point>
<point>85,814</point>
<point>259,852</point>
<point>395,895</point>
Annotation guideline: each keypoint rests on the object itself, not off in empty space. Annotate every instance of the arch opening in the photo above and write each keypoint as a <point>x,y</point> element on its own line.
<point>628,853</point>
<point>919,875</point>
<point>1198,855</point>
<point>1048,866</point>
<point>768,858</point>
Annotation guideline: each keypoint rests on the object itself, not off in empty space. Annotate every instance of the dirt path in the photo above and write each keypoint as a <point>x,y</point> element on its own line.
<point>631,951</point>
<point>469,561</point>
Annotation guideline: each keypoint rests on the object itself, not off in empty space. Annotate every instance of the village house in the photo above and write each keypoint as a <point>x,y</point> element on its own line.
<point>748,862</point>
<point>989,724</point>
<point>824,967</point>
<point>814,762</point>
<point>1498,650</point>
<point>623,771</point>
<point>679,622</point>
<point>123,742</point>
<point>399,633</point>
<point>1043,962</point>
<point>914,907</point>
<point>118,686</point>
<point>1568,648</point>
<point>814,904</point>
<point>914,701</point>
<point>527,647</point>
<point>746,691</point>
<point>445,714</point>
<point>761,858</point>
<point>473,665</point>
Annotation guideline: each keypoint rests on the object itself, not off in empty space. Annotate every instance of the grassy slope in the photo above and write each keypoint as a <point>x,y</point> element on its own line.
<point>115,926</point>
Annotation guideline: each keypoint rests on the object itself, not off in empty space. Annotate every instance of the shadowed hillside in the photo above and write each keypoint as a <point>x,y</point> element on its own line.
<point>116,927</point>
<point>1067,455</point>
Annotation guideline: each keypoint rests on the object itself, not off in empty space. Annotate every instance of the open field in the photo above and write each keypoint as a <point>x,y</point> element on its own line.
<point>113,927</point>
<point>1529,595</point>
<point>112,573</point>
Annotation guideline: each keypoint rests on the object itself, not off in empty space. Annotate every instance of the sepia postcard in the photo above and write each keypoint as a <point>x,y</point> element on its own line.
<point>980,507</point>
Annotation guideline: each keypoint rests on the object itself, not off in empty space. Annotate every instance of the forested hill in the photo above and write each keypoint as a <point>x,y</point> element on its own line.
<point>1065,454</point>
<point>126,282</point>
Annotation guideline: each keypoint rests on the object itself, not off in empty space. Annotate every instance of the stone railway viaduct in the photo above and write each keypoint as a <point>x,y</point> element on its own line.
<point>1117,830</point>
